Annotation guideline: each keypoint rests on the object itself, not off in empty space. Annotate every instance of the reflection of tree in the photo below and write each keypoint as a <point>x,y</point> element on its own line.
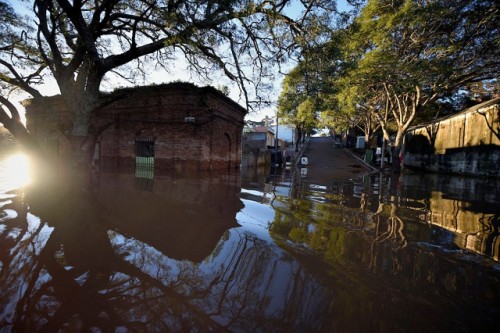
<point>15,231</point>
<point>19,243</point>
<point>85,276</point>
<point>393,232</point>
<point>239,289</point>
<point>389,226</point>
<point>491,225</point>
<point>293,218</point>
<point>371,260</point>
<point>80,274</point>
<point>76,278</point>
<point>328,226</point>
<point>394,227</point>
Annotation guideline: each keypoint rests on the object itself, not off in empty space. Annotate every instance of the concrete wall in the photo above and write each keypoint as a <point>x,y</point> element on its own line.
<point>467,143</point>
<point>255,154</point>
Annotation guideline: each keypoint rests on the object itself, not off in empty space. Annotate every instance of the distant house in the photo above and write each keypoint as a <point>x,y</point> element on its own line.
<point>259,147</point>
<point>176,126</point>
<point>465,143</point>
<point>263,136</point>
<point>256,139</point>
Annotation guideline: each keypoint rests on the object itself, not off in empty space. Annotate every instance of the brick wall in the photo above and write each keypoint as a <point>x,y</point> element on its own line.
<point>193,128</point>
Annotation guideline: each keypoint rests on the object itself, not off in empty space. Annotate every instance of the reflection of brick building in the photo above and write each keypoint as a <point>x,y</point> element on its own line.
<point>179,126</point>
<point>183,218</point>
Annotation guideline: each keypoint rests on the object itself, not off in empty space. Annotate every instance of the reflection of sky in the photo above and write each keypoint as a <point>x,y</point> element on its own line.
<point>150,260</point>
<point>256,217</point>
<point>247,265</point>
<point>23,261</point>
<point>282,190</point>
<point>244,267</point>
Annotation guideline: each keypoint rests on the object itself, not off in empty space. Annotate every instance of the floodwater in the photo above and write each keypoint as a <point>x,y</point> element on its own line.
<point>256,251</point>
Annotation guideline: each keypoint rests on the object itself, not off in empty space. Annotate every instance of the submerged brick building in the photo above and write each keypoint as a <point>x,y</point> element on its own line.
<point>176,126</point>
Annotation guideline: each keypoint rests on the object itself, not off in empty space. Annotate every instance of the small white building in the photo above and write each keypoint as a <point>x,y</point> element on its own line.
<point>286,133</point>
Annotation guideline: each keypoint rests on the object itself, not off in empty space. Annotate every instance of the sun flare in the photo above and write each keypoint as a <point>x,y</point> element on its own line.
<point>15,170</point>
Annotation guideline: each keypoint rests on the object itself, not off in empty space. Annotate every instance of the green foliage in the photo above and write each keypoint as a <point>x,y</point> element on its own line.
<point>438,45</point>
<point>307,87</point>
<point>401,56</point>
<point>294,92</point>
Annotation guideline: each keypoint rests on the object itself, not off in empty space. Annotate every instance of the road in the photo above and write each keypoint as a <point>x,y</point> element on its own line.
<point>327,163</point>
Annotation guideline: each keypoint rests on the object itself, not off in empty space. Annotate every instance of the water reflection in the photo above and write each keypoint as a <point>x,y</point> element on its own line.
<point>183,218</point>
<point>464,212</point>
<point>261,251</point>
<point>385,259</point>
<point>466,209</point>
<point>170,258</point>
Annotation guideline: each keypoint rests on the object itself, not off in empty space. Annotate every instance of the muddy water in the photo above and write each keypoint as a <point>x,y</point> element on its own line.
<point>255,251</point>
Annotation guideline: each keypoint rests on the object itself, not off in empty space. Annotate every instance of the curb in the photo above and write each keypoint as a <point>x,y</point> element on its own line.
<point>347,151</point>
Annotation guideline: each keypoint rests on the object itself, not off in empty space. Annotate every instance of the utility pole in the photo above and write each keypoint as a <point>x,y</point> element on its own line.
<point>276,139</point>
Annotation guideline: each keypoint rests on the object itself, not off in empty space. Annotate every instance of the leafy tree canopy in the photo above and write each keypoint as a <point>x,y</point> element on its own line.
<point>398,56</point>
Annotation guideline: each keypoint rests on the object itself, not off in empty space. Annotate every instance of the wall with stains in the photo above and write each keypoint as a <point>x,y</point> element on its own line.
<point>191,128</point>
<point>466,143</point>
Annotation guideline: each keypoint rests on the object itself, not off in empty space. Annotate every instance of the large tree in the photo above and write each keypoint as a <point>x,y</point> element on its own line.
<point>18,53</point>
<point>297,105</point>
<point>396,59</point>
<point>79,44</point>
<point>406,54</point>
<point>306,87</point>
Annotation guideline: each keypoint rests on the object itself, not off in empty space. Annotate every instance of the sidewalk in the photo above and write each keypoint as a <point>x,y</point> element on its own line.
<point>327,163</point>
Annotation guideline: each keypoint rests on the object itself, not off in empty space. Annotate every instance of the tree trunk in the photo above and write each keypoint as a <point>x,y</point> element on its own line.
<point>382,156</point>
<point>81,167</point>
<point>298,138</point>
<point>396,155</point>
<point>22,135</point>
<point>81,103</point>
<point>396,161</point>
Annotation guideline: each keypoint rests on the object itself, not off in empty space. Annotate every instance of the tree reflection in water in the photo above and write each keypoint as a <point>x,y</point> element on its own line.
<point>377,231</point>
<point>171,258</point>
<point>280,255</point>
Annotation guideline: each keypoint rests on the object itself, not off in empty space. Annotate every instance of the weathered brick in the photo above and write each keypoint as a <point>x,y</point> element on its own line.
<point>193,128</point>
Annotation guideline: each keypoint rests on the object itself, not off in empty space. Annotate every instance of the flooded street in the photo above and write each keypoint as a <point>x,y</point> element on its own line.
<point>256,251</point>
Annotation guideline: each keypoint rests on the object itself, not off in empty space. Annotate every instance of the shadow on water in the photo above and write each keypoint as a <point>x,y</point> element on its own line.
<point>258,251</point>
<point>183,218</point>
